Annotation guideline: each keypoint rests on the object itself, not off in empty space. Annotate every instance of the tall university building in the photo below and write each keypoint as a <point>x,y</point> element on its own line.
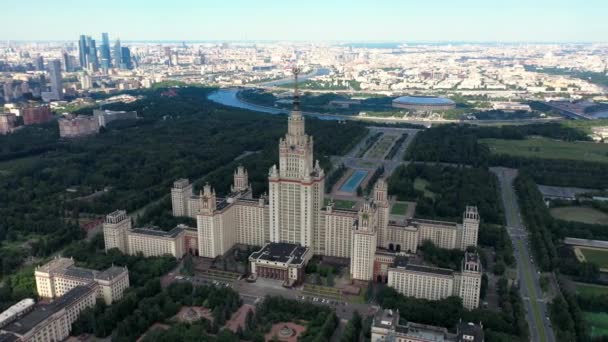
<point>293,216</point>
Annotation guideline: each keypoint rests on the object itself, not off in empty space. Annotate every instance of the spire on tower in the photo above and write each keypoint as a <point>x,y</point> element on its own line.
<point>296,93</point>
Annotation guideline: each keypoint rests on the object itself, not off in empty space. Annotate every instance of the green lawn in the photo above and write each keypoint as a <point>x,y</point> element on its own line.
<point>341,204</point>
<point>421,184</point>
<point>549,149</point>
<point>399,208</point>
<point>590,289</point>
<point>381,147</point>
<point>598,323</point>
<point>598,257</point>
<point>580,214</point>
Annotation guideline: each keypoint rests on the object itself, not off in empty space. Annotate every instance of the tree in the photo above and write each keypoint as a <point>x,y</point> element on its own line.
<point>330,279</point>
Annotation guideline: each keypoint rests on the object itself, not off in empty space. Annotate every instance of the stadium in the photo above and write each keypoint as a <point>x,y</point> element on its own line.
<point>423,103</point>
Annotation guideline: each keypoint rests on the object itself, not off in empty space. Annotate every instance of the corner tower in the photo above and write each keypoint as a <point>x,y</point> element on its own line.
<point>297,186</point>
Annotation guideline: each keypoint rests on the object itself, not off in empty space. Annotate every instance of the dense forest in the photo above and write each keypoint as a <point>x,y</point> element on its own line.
<point>458,144</point>
<point>449,190</point>
<point>57,185</point>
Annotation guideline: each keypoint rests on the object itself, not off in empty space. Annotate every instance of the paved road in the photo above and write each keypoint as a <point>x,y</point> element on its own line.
<point>252,293</point>
<point>531,293</point>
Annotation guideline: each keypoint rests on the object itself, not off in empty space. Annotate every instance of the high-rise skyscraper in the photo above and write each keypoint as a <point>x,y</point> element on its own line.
<point>105,51</point>
<point>117,54</point>
<point>92,61</point>
<point>126,58</point>
<point>56,79</point>
<point>39,63</point>
<point>67,63</point>
<point>82,51</point>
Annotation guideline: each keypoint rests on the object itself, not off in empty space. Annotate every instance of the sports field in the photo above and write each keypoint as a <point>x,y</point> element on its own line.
<point>580,214</point>
<point>549,148</point>
<point>590,289</point>
<point>598,322</point>
<point>399,208</point>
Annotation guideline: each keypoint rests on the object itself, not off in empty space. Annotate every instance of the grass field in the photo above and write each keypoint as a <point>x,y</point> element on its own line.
<point>598,323</point>
<point>381,147</point>
<point>549,149</point>
<point>341,204</point>
<point>421,185</point>
<point>399,208</point>
<point>580,214</point>
<point>596,256</point>
<point>590,289</point>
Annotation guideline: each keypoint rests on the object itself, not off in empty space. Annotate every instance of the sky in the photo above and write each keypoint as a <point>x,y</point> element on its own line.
<point>309,20</point>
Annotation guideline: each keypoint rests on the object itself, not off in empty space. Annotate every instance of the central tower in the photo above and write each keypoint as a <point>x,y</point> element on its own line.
<point>296,186</point>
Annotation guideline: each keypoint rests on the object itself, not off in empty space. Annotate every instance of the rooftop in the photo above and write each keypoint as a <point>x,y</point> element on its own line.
<point>111,273</point>
<point>43,311</point>
<point>424,332</point>
<point>79,272</point>
<point>470,332</point>
<point>404,263</point>
<point>154,231</point>
<point>281,252</point>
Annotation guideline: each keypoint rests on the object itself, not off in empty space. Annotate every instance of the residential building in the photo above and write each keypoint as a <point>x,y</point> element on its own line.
<point>78,126</point>
<point>8,122</point>
<point>36,114</point>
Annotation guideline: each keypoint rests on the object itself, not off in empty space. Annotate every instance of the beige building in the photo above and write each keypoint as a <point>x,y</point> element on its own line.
<point>115,229</point>
<point>78,126</point>
<point>60,275</point>
<point>281,261</point>
<point>387,328</point>
<point>364,242</point>
<point>117,233</point>
<point>180,195</point>
<point>52,322</point>
<point>8,122</point>
<point>155,242</point>
<point>435,283</point>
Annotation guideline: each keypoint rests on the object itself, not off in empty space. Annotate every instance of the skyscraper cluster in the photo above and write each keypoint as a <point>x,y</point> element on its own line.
<point>92,58</point>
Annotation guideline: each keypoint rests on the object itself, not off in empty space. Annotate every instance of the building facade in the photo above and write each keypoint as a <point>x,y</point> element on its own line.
<point>387,328</point>
<point>60,275</point>
<point>435,283</point>
<point>52,322</point>
<point>36,114</point>
<point>8,122</point>
<point>280,261</point>
<point>118,233</point>
<point>78,126</point>
<point>104,117</point>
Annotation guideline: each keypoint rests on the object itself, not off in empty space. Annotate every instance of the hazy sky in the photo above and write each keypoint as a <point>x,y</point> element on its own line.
<point>362,20</point>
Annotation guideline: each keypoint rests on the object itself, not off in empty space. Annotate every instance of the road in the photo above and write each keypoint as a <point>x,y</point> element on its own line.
<point>252,293</point>
<point>530,291</point>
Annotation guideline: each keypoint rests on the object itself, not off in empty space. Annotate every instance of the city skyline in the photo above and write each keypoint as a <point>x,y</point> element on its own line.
<point>240,20</point>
